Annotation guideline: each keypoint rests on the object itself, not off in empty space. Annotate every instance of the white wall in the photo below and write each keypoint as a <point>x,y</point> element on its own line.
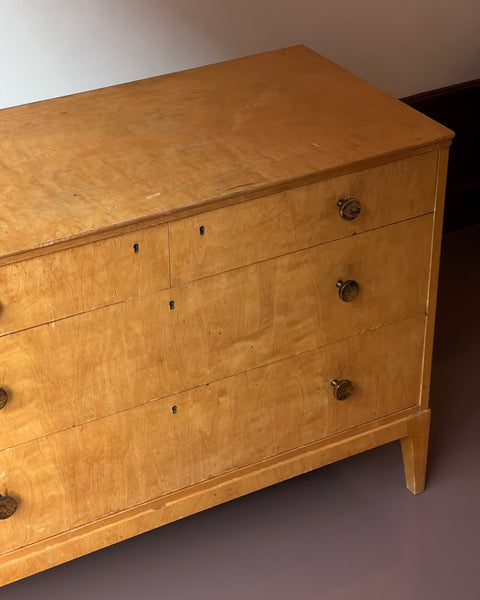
<point>51,48</point>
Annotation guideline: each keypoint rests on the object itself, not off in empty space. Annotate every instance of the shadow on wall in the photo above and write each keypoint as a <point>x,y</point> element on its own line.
<point>51,48</point>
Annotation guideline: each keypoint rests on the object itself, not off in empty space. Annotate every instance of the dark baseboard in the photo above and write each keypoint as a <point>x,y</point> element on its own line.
<point>458,107</point>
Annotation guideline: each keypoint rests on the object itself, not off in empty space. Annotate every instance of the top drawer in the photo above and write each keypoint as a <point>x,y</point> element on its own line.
<point>68,282</point>
<point>245,233</point>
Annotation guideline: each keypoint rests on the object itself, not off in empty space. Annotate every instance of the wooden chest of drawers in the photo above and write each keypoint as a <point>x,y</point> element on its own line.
<point>211,281</point>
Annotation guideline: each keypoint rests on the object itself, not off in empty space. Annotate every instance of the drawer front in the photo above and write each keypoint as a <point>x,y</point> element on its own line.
<point>79,475</point>
<point>246,233</point>
<point>98,363</point>
<point>72,281</point>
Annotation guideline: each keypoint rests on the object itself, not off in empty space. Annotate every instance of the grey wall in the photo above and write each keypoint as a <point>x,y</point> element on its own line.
<point>51,48</point>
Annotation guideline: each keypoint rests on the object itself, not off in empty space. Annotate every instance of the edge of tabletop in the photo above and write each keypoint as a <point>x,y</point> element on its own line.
<point>204,205</point>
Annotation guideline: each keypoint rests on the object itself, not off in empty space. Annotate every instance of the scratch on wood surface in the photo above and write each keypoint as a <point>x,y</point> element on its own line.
<point>153,195</point>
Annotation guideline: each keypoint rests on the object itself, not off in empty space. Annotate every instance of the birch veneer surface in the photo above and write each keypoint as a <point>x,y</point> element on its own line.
<point>210,281</point>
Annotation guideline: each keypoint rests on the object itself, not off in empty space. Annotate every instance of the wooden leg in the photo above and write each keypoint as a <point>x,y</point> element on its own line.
<point>414,451</point>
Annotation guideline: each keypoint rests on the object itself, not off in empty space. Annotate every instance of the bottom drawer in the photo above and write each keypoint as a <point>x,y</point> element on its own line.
<point>79,475</point>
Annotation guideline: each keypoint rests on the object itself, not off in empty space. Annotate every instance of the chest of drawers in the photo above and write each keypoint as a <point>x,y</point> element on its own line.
<point>210,282</point>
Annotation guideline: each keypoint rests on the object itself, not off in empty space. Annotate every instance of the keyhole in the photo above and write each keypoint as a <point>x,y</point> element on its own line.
<point>174,410</point>
<point>202,230</point>
<point>136,248</point>
<point>171,304</point>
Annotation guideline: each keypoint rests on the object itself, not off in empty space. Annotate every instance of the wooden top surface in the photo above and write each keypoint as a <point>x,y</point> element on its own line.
<point>178,143</point>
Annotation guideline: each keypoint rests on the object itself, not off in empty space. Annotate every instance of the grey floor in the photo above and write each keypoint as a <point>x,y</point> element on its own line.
<point>347,531</point>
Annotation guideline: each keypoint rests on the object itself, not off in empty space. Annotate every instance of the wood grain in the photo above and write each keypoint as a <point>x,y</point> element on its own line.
<point>151,450</point>
<point>132,402</point>
<point>148,515</point>
<point>94,161</point>
<point>433,274</point>
<point>414,451</point>
<point>299,218</point>
<point>71,371</point>
<point>66,283</point>
<point>277,308</point>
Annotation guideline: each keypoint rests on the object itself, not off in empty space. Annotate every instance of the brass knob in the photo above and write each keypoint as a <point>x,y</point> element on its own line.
<point>347,290</point>
<point>349,208</point>
<point>7,507</point>
<point>3,398</point>
<point>342,389</point>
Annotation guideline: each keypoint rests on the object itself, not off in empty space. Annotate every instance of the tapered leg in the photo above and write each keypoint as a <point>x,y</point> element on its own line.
<point>414,451</point>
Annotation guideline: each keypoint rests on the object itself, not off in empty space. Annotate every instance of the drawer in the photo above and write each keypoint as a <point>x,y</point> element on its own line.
<point>72,281</point>
<point>98,363</point>
<point>259,229</point>
<point>148,451</point>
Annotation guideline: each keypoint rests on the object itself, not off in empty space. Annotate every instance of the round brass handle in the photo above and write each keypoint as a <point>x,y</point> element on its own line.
<point>349,208</point>
<point>3,398</point>
<point>342,389</point>
<point>7,507</point>
<point>347,290</point>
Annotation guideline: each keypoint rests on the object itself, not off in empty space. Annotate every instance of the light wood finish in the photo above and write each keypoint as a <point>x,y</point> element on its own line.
<point>83,278</point>
<point>415,449</point>
<point>249,317</point>
<point>244,414</point>
<point>160,146</point>
<point>433,275</point>
<point>277,308</point>
<point>296,219</point>
<point>148,515</point>
<point>141,387</point>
